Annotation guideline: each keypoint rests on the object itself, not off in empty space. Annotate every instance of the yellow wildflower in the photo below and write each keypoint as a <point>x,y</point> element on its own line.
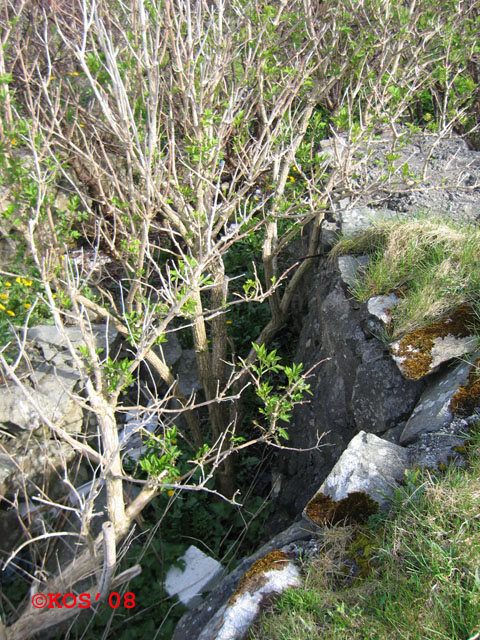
<point>3,296</point>
<point>2,307</point>
<point>8,284</point>
<point>291,178</point>
<point>295,169</point>
<point>18,280</point>
<point>27,283</point>
<point>13,142</point>
<point>170,493</point>
<point>229,322</point>
<point>27,305</point>
<point>10,312</point>
<point>81,125</point>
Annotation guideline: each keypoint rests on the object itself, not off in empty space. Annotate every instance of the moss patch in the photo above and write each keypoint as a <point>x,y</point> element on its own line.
<point>254,578</point>
<point>362,549</point>
<point>356,507</point>
<point>467,397</point>
<point>415,348</point>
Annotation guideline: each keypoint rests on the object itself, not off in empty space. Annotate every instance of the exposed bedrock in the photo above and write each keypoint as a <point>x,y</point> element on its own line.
<point>356,386</point>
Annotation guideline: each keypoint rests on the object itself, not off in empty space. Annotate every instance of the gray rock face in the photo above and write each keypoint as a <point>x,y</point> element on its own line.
<point>30,458</point>
<point>445,166</point>
<point>51,395</point>
<point>356,387</point>
<point>187,373</point>
<point>432,411</point>
<point>28,450</point>
<point>357,219</point>
<point>349,267</point>
<point>51,340</point>
<point>432,450</point>
<point>369,464</point>
<point>377,401</point>
<point>169,351</point>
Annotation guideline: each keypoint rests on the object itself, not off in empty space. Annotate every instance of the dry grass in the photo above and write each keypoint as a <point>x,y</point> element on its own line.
<point>424,578</point>
<point>433,262</point>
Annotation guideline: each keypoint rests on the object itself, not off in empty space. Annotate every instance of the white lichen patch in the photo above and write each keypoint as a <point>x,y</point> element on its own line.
<point>240,615</point>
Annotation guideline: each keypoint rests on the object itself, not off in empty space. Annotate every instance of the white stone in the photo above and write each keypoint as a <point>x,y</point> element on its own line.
<point>380,306</point>
<point>201,573</point>
<point>368,464</point>
<point>233,620</point>
<point>239,616</point>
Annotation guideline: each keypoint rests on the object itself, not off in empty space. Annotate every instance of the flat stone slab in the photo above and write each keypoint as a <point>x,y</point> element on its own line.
<point>51,398</point>
<point>432,412</point>
<point>420,352</point>
<point>201,573</point>
<point>369,465</point>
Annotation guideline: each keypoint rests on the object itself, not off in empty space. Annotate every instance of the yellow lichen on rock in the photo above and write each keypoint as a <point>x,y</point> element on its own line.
<point>356,507</point>
<point>276,559</point>
<point>467,397</point>
<point>414,352</point>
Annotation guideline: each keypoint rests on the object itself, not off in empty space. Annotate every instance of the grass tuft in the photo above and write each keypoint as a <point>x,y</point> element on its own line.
<point>424,576</point>
<point>432,263</point>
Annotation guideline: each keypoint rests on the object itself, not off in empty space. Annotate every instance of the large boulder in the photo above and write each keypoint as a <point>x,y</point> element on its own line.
<point>369,466</point>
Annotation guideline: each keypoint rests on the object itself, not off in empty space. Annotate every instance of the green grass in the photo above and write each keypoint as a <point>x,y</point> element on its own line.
<point>433,262</point>
<point>423,578</point>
